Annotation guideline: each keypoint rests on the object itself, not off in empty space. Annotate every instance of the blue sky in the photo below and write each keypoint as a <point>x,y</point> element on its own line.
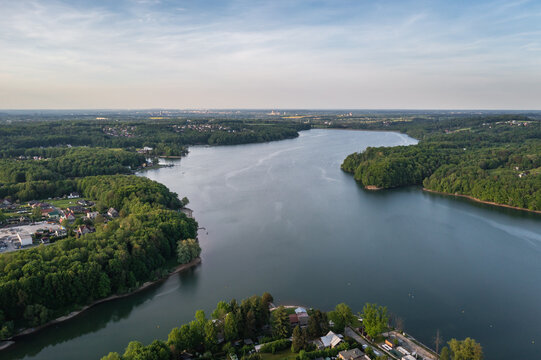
<point>270,54</point>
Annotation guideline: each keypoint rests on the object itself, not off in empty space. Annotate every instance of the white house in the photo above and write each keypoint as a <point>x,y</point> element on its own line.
<point>25,239</point>
<point>92,215</point>
<point>330,340</point>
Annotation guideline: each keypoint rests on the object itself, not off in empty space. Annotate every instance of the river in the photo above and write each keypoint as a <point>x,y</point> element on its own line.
<point>282,217</point>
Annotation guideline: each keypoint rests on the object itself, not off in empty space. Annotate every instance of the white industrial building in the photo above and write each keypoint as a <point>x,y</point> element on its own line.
<point>24,238</point>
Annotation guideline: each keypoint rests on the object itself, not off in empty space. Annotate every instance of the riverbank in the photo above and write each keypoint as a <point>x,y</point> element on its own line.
<point>482,201</point>
<point>176,270</point>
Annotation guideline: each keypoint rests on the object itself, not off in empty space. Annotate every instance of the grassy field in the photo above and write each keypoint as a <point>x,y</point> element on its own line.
<point>62,203</point>
<point>285,354</point>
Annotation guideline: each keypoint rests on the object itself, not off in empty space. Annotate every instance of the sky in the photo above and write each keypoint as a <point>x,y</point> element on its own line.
<point>278,54</point>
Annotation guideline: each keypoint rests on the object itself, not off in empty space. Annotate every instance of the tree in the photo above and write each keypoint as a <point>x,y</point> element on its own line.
<point>187,250</point>
<point>266,299</point>
<point>313,328</point>
<point>230,327</point>
<point>3,217</point>
<point>184,201</point>
<point>445,354</point>
<point>375,319</point>
<point>299,342</point>
<point>467,349</point>
<point>36,213</point>
<point>250,324</point>
<point>342,316</point>
<point>280,323</point>
<point>221,310</point>
<point>112,356</point>
<point>210,336</point>
<point>36,314</point>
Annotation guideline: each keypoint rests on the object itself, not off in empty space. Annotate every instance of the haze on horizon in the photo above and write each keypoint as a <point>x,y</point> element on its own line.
<point>323,54</point>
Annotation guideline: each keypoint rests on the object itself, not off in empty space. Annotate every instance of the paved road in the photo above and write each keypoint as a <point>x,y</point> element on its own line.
<point>414,347</point>
<point>352,334</point>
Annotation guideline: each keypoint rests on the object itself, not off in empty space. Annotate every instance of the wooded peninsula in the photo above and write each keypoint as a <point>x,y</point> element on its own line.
<point>495,159</point>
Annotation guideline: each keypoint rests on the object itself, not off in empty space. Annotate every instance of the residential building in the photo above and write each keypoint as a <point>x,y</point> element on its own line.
<point>330,340</point>
<point>92,215</point>
<point>112,213</point>
<point>187,212</point>
<point>353,354</point>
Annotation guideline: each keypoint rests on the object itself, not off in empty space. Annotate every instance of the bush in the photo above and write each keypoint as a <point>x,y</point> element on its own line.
<point>323,353</point>
<point>274,346</point>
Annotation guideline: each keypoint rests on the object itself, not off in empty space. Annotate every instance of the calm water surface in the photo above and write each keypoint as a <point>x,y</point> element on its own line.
<point>282,217</point>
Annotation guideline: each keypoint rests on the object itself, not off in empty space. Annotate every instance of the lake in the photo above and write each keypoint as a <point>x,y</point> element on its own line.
<point>282,217</point>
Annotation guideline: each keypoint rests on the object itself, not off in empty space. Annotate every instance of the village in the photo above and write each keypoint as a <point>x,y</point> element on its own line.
<point>44,222</point>
<point>392,344</point>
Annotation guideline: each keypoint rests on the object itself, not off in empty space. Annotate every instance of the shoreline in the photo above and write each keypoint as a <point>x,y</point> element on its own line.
<point>482,201</point>
<point>372,188</point>
<point>8,342</point>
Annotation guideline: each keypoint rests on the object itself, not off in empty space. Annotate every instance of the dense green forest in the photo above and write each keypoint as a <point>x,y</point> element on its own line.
<point>165,136</point>
<point>495,159</point>
<point>62,163</point>
<point>42,283</point>
<point>28,179</point>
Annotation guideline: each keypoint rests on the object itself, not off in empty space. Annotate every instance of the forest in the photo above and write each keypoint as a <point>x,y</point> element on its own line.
<point>166,137</point>
<point>495,159</point>
<point>62,163</point>
<point>45,282</point>
<point>26,179</point>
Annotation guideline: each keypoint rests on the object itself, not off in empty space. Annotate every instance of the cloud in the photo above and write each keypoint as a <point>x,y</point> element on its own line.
<point>270,54</point>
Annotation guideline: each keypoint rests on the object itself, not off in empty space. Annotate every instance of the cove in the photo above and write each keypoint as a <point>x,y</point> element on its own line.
<point>282,217</point>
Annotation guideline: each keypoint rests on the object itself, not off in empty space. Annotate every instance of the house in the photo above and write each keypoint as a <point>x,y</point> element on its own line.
<point>5,202</point>
<point>330,340</point>
<point>84,202</point>
<point>186,356</point>
<point>403,351</point>
<point>112,213</point>
<point>24,238</point>
<point>187,212</point>
<point>92,215</point>
<point>300,310</point>
<point>53,214</point>
<point>408,357</point>
<point>85,229</point>
<point>68,216</point>
<point>293,320</point>
<point>73,195</point>
<point>353,354</point>
<point>303,319</point>
<point>60,233</point>
<point>76,209</point>
<point>389,343</point>
<point>145,150</point>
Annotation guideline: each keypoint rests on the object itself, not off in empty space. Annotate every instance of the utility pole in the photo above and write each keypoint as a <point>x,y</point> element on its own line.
<point>437,341</point>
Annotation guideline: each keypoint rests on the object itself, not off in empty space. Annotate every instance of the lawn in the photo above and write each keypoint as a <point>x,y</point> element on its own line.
<point>284,354</point>
<point>62,203</point>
